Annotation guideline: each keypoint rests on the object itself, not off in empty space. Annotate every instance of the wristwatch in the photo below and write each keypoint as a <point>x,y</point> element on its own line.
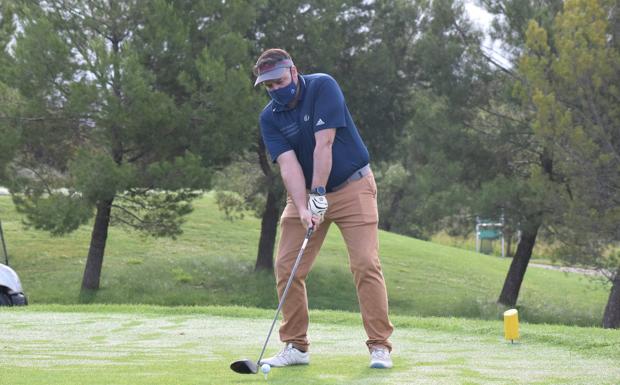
<point>319,190</point>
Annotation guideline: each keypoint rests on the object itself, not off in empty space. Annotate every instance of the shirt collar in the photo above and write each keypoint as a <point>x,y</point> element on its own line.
<point>275,107</point>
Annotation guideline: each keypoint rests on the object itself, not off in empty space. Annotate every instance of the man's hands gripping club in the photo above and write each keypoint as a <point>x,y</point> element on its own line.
<point>311,208</point>
<point>317,207</point>
<point>317,204</point>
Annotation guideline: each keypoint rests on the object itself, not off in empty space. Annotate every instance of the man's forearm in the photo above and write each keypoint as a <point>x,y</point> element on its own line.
<point>322,165</point>
<point>295,184</point>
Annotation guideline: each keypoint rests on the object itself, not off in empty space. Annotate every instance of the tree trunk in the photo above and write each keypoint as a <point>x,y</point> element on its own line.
<point>99,236</point>
<point>611,318</point>
<point>509,244</point>
<point>268,230</point>
<point>514,278</point>
<point>269,222</point>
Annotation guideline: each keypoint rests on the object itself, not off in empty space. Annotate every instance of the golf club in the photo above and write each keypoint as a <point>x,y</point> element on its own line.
<point>246,366</point>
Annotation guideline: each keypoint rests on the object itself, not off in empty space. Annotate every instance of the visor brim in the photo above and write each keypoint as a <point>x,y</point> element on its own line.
<point>276,73</point>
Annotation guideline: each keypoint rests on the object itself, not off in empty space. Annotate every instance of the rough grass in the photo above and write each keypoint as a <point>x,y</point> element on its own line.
<point>102,344</point>
<point>212,264</point>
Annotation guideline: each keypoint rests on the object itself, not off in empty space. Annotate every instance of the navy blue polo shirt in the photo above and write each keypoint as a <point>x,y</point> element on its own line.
<point>321,105</point>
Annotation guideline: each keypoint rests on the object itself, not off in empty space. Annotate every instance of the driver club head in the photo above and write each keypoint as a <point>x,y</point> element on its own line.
<point>244,367</point>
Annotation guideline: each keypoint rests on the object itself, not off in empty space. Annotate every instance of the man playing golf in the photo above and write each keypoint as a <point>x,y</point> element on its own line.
<point>309,132</point>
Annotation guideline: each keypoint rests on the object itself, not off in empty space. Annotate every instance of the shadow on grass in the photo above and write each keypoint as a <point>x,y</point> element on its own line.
<point>87,296</point>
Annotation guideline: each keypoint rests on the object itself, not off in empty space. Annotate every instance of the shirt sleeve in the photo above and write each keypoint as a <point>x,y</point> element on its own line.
<point>275,142</point>
<point>329,107</point>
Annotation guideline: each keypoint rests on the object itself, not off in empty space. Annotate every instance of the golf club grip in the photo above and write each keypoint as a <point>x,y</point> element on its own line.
<point>285,292</point>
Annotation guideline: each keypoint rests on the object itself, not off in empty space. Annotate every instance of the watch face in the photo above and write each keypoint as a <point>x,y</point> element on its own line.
<point>318,190</point>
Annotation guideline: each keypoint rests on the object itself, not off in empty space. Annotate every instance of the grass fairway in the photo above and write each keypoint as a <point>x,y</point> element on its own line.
<point>99,344</point>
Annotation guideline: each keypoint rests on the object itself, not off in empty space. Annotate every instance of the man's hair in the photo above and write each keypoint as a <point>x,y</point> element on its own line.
<point>270,56</point>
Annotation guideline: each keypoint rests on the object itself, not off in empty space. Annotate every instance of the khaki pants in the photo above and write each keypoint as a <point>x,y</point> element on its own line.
<point>354,210</point>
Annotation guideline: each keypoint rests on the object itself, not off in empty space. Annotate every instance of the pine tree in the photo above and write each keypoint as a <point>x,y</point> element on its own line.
<point>127,107</point>
<point>572,83</point>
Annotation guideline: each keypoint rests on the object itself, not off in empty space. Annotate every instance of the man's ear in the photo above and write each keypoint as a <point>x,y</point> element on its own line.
<point>294,73</point>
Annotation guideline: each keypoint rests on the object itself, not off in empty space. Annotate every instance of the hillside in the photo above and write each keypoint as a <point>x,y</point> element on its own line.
<point>212,264</point>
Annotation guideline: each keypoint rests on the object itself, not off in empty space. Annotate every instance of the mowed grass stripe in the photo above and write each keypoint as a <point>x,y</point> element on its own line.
<point>152,345</point>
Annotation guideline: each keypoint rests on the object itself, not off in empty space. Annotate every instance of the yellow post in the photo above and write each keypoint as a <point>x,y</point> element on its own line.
<point>511,325</point>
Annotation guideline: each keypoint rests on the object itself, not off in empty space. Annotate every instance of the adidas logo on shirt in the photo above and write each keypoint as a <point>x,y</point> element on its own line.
<point>320,122</point>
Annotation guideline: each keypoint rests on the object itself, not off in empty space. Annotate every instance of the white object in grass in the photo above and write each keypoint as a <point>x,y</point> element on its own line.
<point>265,368</point>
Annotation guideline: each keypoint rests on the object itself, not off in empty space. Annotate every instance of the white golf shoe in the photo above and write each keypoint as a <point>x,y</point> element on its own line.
<point>380,358</point>
<point>288,356</point>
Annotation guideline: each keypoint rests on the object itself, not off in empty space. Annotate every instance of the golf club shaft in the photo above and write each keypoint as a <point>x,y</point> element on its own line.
<point>288,284</point>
